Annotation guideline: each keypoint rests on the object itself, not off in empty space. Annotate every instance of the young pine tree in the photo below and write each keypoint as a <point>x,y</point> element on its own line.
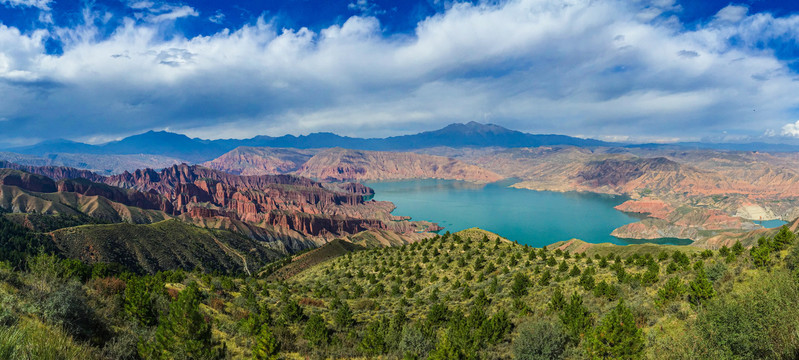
<point>701,289</point>
<point>183,333</point>
<point>266,346</point>
<point>616,337</point>
<point>575,317</point>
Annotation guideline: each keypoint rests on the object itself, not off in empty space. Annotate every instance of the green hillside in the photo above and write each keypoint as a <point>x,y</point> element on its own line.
<point>166,245</point>
<point>469,295</point>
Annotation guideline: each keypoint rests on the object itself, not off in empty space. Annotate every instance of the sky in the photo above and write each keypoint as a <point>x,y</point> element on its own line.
<point>635,70</point>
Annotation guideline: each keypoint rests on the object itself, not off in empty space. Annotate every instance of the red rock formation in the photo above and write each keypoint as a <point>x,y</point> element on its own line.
<point>655,208</point>
<point>281,201</point>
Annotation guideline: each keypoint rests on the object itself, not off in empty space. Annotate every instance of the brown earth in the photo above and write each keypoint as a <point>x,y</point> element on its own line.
<point>348,165</point>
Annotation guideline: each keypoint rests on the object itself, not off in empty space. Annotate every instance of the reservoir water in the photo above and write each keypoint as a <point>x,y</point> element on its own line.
<point>535,218</point>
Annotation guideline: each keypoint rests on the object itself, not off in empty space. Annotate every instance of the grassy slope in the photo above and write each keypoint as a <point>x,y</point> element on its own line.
<point>72,204</point>
<point>164,245</point>
<point>315,257</point>
<point>395,268</point>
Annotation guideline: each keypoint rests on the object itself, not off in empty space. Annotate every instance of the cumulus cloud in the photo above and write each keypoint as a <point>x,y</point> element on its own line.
<point>791,129</point>
<point>41,4</point>
<point>580,67</point>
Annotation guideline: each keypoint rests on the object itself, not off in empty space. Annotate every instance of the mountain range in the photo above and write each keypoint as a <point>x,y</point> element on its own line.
<point>198,150</point>
<point>172,146</point>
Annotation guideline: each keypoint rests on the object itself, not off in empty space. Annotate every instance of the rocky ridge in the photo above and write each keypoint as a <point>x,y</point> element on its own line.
<point>266,207</point>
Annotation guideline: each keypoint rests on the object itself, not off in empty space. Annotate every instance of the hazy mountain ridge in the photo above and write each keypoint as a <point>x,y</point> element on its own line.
<point>102,164</point>
<point>172,146</point>
<point>199,150</point>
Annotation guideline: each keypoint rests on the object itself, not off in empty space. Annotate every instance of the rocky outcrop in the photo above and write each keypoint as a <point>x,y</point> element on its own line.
<point>264,207</point>
<point>655,208</point>
<point>616,173</point>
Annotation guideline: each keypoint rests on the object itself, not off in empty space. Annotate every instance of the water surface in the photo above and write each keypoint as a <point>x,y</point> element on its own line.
<point>768,224</point>
<point>536,218</point>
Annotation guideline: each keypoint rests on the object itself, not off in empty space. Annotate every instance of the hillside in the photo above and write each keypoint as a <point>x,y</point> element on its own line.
<point>166,245</point>
<point>260,161</point>
<point>356,165</point>
<point>469,295</point>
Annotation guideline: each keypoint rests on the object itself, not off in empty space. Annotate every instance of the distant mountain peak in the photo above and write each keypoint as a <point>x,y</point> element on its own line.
<point>474,127</point>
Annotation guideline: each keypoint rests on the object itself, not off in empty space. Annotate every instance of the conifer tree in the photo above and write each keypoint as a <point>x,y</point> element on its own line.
<point>343,317</point>
<point>700,289</point>
<point>784,238</point>
<point>138,302</point>
<point>316,331</point>
<point>616,337</point>
<point>446,350</point>
<point>266,346</point>
<point>575,317</point>
<point>183,333</point>
<point>558,301</point>
<point>520,284</point>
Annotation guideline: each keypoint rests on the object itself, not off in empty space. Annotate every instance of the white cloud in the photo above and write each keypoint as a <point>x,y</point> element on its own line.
<point>563,66</point>
<point>41,4</point>
<point>732,13</point>
<point>791,129</point>
<point>217,18</point>
<point>366,8</point>
<point>168,13</point>
<point>159,12</point>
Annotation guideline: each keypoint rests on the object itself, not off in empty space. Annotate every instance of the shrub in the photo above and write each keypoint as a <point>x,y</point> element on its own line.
<point>68,308</point>
<point>761,323</point>
<point>540,340</point>
<point>414,342</point>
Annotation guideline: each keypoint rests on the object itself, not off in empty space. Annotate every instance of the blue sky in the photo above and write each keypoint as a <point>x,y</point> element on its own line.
<point>637,70</point>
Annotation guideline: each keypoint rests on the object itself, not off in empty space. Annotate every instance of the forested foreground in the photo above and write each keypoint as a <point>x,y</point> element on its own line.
<point>469,295</point>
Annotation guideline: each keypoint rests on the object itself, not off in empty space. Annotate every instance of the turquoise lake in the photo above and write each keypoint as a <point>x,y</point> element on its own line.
<point>535,218</point>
